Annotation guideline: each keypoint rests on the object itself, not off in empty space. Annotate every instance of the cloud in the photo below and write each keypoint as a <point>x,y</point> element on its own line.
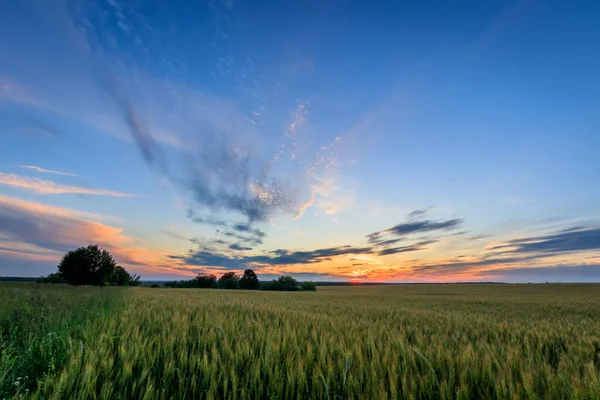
<point>237,247</point>
<point>36,231</point>
<point>210,258</point>
<point>561,273</point>
<point>417,213</point>
<point>251,240</point>
<point>515,253</point>
<point>404,249</point>
<point>149,148</point>
<point>569,240</point>
<point>50,187</point>
<point>208,220</point>
<point>218,173</point>
<point>46,171</point>
<point>405,229</point>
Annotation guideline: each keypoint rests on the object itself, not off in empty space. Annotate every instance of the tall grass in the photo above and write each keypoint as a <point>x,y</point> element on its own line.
<point>39,324</point>
<point>420,342</point>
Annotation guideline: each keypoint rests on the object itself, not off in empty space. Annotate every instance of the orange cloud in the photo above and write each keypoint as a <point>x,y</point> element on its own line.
<point>42,232</point>
<point>50,187</point>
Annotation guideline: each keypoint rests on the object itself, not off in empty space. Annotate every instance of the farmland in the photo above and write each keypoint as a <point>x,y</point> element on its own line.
<point>405,341</point>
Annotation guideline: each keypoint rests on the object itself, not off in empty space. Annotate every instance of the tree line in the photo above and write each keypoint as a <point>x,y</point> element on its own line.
<point>95,266</point>
<point>90,265</point>
<point>248,281</point>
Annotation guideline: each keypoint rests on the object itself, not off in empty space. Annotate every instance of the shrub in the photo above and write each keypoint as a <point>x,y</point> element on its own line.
<point>120,277</point>
<point>287,282</point>
<point>52,278</point>
<point>155,285</point>
<point>310,286</point>
<point>283,283</point>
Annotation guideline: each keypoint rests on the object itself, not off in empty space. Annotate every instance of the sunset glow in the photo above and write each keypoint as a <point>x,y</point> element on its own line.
<point>436,153</point>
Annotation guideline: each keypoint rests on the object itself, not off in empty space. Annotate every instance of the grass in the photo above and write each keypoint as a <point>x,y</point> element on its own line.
<point>409,341</point>
<point>39,327</point>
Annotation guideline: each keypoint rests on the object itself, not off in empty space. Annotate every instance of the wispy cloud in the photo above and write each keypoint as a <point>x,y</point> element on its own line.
<point>50,187</point>
<point>402,230</point>
<point>560,273</point>
<point>566,241</point>
<point>211,258</point>
<point>47,171</point>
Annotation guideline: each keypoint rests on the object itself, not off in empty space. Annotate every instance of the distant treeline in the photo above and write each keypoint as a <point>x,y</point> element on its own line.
<point>248,281</point>
<point>17,279</point>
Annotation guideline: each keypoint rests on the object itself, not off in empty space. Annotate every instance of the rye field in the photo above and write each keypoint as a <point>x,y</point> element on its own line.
<point>364,342</point>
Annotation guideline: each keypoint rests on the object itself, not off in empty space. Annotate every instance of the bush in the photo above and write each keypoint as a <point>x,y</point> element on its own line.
<point>310,286</point>
<point>120,277</point>
<point>155,285</point>
<point>283,283</point>
<point>52,278</point>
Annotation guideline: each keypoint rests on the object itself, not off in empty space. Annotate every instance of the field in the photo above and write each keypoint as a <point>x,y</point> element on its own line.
<point>367,342</point>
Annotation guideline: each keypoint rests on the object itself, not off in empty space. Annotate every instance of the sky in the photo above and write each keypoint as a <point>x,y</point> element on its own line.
<point>340,141</point>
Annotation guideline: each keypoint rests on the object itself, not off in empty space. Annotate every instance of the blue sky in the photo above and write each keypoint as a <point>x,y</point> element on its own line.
<point>388,141</point>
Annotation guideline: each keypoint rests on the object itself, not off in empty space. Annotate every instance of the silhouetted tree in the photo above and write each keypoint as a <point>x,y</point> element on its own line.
<point>119,277</point>
<point>89,265</point>
<point>287,282</point>
<point>249,280</point>
<point>204,281</point>
<point>229,280</point>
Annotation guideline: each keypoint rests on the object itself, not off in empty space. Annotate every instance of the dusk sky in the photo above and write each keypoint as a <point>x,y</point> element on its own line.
<point>330,140</point>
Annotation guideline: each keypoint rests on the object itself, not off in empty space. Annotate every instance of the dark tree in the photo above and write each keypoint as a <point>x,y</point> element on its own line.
<point>287,282</point>
<point>120,277</point>
<point>249,280</point>
<point>308,285</point>
<point>204,281</point>
<point>89,265</point>
<point>229,280</point>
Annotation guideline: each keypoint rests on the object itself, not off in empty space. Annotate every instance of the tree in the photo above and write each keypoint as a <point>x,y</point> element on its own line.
<point>287,282</point>
<point>309,286</point>
<point>204,281</point>
<point>249,280</point>
<point>229,280</point>
<point>89,265</point>
<point>119,277</point>
<point>93,265</point>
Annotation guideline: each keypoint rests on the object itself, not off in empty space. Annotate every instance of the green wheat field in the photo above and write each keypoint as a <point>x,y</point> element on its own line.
<point>470,341</point>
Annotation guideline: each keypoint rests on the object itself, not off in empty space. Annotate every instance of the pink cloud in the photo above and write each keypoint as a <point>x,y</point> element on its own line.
<point>35,231</point>
<point>50,187</point>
